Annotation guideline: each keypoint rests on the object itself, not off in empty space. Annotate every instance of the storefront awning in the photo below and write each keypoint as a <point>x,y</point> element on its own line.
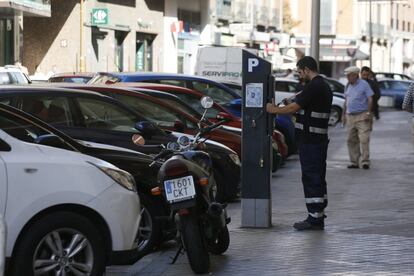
<point>339,54</point>
<point>26,7</point>
<point>344,55</point>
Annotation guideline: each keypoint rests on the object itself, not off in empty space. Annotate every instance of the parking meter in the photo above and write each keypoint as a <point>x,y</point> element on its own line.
<point>258,89</point>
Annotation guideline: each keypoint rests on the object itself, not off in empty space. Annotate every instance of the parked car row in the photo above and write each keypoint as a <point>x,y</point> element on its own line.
<point>96,118</point>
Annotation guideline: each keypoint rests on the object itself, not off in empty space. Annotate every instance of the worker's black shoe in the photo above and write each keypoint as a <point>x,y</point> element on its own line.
<point>307,225</point>
<point>352,166</point>
<point>365,166</point>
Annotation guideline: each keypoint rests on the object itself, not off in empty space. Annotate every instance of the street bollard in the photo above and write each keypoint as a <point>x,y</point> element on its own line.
<point>2,244</point>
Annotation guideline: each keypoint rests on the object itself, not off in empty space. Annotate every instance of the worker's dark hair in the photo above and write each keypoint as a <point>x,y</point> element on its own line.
<point>308,62</point>
<point>366,68</point>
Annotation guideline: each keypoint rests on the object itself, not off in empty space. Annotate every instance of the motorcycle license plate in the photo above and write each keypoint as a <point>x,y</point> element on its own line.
<point>179,189</point>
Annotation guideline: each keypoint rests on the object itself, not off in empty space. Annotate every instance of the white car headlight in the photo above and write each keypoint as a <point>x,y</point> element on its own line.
<point>235,158</point>
<point>123,178</point>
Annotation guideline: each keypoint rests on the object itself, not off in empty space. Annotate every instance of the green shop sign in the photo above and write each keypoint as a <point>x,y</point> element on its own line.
<point>100,16</point>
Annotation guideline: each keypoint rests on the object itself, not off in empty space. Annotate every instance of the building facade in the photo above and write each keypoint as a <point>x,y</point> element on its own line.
<point>392,33</point>
<point>117,36</point>
<point>353,30</point>
<point>242,23</point>
<point>12,15</point>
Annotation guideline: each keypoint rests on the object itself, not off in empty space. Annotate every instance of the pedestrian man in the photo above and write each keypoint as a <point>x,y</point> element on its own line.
<point>408,104</point>
<point>312,107</point>
<point>358,118</point>
<point>368,76</point>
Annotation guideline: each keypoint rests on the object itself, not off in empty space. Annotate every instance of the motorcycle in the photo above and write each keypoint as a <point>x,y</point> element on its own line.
<point>187,182</point>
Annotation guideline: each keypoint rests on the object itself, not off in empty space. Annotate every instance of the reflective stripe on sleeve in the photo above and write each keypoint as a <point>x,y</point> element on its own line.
<point>318,130</point>
<point>301,112</point>
<point>320,115</point>
<point>298,125</point>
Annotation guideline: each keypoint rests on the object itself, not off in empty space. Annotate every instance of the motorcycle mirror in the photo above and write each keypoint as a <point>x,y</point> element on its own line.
<point>207,102</point>
<point>138,140</point>
<point>183,141</point>
<point>173,146</point>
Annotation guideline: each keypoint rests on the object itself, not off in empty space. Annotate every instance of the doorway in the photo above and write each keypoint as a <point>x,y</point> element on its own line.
<point>144,52</point>
<point>6,41</point>
<point>119,50</point>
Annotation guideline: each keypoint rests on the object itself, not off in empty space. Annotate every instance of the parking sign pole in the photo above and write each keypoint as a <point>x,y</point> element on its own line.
<point>256,142</point>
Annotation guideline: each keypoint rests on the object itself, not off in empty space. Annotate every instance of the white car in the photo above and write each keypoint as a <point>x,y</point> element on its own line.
<point>286,88</point>
<point>66,213</point>
<point>10,74</point>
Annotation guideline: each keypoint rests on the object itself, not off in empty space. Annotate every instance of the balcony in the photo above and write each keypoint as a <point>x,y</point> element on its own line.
<point>241,11</point>
<point>274,20</point>
<point>28,7</point>
<point>262,15</point>
<point>224,9</point>
<point>378,30</point>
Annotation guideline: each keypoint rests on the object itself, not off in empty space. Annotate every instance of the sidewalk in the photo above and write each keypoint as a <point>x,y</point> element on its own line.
<point>369,229</point>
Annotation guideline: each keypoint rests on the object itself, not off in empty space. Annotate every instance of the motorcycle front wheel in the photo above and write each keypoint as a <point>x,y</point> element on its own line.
<point>194,244</point>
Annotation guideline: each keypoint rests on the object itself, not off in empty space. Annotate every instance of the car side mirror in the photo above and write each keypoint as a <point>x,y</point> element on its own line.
<point>145,128</point>
<point>50,140</point>
<point>179,126</point>
<point>224,116</point>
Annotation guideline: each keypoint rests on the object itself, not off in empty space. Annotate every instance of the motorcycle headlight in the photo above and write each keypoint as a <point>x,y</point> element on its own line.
<point>123,178</point>
<point>235,158</point>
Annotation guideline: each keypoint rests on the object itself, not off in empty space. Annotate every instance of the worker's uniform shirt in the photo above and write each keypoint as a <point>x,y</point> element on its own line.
<point>312,120</point>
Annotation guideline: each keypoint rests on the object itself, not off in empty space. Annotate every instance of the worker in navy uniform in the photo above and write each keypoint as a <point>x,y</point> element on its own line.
<point>312,107</point>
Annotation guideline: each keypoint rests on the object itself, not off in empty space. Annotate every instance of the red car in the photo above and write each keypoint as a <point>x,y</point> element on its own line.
<point>72,77</point>
<point>165,115</point>
<point>193,97</point>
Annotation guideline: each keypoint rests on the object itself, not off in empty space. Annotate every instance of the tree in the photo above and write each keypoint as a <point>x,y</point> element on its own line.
<point>288,22</point>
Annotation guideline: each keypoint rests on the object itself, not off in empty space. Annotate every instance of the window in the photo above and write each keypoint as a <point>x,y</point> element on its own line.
<point>183,107</point>
<point>104,79</point>
<point>6,101</point>
<point>219,95</point>
<point>399,85</point>
<point>180,83</point>
<point>106,115</point>
<point>194,102</point>
<point>53,110</point>
<point>180,64</point>
<point>383,85</point>
<point>160,115</point>
<point>283,86</point>
<point>19,128</point>
<point>326,26</point>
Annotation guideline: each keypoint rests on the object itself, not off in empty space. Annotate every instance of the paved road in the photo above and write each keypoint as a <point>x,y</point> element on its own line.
<point>369,229</point>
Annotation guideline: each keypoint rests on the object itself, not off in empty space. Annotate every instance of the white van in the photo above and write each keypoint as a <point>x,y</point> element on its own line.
<point>221,64</point>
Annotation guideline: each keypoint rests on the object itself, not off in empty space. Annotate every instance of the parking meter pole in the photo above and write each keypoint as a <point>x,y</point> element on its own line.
<point>2,245</point>
<point>256,142</point>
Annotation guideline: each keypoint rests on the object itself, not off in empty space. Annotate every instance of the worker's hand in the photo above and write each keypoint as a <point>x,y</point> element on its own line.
<point>271,108</point>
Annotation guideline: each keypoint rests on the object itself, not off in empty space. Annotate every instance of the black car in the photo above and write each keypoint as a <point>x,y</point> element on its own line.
<point>151,231</point>
<point>97,118</point>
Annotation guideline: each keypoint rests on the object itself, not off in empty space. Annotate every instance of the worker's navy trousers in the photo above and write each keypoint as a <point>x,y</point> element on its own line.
<point>313,163</point>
